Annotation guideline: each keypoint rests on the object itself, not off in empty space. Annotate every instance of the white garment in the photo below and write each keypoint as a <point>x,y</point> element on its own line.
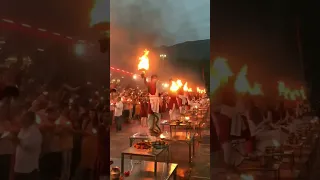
<point>118,109</point>
<point>154,103</point>
<point>237,123</point>
<point>28,151</point>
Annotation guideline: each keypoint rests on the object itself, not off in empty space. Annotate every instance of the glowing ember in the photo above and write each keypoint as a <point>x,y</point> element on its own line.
<point>174,87</point>
<point>144,61</point>
<point>162,136</point>
<point>165,85</point>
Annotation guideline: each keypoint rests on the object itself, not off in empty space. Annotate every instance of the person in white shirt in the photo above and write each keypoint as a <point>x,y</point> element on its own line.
<point>28,142</point>
<point>118,114</point>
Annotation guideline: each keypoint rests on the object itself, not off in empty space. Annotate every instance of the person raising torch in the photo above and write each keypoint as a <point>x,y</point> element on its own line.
<point>154,115</point>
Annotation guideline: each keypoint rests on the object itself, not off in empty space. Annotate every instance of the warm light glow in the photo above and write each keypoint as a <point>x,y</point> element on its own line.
<point>162,136</point>
<point>187,118</point>
<point>144,61</point>
<point>165,85</point>
<point>290,94</point>
<point>185,87</point>
<point>134,76</point>
<point>242,84</point>
<point>201,91</point>
<point>179,83</point>
<point>220,73</point>
<point>174,87</point>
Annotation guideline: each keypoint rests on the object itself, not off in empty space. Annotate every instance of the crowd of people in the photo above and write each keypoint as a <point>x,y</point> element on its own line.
<point>128,104</point>
<point>236,117</point>
<point>52,131</point>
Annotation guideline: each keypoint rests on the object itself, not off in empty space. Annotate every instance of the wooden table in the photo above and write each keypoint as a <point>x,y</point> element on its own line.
<point>131,151</point>
<point>141,169</point>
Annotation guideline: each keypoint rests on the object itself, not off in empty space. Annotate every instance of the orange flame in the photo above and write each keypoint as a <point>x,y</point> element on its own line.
<point>201,91</point>
<point>220,73</point>
<point>174,86</point>
<point>144,61</point>
<point>242,84</point>
<point>288,93</point>
<point>179,83</point>
<point>186,88</point>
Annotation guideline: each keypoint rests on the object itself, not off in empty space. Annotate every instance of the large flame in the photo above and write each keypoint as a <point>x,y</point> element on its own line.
<point>100,12</point>
<point>179,83</point>
<point>242,84</point>
<point>220,73</point>
<point>174,86</point>
<point>288,93</point>
<point>201,91</point>
<point>144,61</point>
<point>186,88</point>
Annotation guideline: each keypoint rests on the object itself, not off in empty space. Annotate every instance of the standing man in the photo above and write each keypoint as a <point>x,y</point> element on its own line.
<point>28,141</point>
<point>154,115</point>
<point>118,114</point>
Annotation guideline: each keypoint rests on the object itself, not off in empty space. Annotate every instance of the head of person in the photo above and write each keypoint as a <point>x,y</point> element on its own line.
<point>28,119</point>
<point>118,99</point>
<point>154,78</point>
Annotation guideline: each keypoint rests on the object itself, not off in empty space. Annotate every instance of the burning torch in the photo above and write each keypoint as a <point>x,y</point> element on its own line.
<point>143,65</point>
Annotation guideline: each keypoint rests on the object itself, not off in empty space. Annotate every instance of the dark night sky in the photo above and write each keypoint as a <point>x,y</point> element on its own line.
<point>261,34</point>
<point>59,15</point>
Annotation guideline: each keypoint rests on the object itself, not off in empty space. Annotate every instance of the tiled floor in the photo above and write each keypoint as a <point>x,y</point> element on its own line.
<point>199,169</point>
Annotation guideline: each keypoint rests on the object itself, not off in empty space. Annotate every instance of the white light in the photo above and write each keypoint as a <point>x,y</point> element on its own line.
<point>7,20</point>
<point>134,76</point>
<point>122,77</point>
<point>2,42</point>
<point>80,49</point>
<point>39,49</point>
<point>163,55</point>
<point>57,34</point>
<point>42,29</point>
<point>26,25</point>
<point>69,37</point>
